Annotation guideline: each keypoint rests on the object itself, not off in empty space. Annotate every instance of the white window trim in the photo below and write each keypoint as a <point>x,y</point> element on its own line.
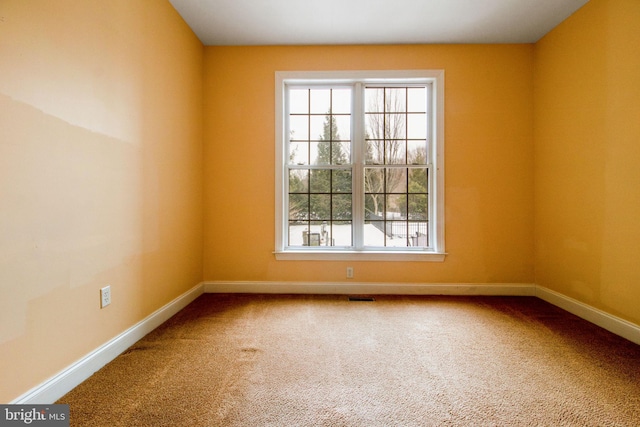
<point>437,253</point>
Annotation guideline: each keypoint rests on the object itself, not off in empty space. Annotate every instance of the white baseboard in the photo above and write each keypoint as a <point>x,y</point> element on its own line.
<point>60,384</point>
<point>348,288</point>
<point>598,317</point>
<point>63,382</point>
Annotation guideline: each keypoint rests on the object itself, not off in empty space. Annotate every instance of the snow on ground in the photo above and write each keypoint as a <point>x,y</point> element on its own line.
<point>342,236</point>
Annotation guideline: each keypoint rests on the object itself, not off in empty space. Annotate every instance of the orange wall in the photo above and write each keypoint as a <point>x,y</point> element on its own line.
<point>101,167</point>
<point>488,154</point>
<point>587,135</point>
<point>100,175</point>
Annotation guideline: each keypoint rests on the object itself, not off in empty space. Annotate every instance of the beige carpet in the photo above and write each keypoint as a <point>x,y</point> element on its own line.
<point>278,360</point>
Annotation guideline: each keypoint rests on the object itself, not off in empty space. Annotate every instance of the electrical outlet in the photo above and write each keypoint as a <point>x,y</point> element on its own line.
<point>349,272</point>
<point>105,296</point>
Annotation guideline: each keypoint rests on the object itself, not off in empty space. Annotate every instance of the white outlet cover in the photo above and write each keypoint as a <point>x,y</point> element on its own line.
<point>105,296</point>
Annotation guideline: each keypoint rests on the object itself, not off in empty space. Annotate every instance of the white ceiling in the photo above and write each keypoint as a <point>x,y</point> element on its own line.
<point>304,22</point>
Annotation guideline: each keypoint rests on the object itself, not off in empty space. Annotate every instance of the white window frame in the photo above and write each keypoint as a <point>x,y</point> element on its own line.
<point>436,218</point>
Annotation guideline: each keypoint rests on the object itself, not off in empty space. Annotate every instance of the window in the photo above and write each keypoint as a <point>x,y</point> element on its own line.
<point>359,165</point>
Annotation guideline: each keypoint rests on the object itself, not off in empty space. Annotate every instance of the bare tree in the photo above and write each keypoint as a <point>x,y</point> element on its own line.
<point>385,145</point>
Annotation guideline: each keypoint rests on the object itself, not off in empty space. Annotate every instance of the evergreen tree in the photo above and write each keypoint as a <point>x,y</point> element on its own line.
<point>330,188</point>
<point>414,205</point>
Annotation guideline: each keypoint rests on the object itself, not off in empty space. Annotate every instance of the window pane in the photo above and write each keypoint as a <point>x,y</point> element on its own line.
<point>397,234</point>
<point>395,99</point>
<point>321,181</point>
<point>299,128</point>
<point>298,206</point>
<point>298,101</point>
<point>417,206</point>
<point>374,180</point>
<point>374,234</point>
<point>396,152</point>
<point>373,206</point>
<point>341,101</point>
<point>315,235</point>
<point>417,126</point>
<point>297,229</point>
<point>319,152</point>
<point>320,101</point>
<point>396,180</point>
<point>418,180</point>
<point>417,152</point>
<point>375,152</point>
<point>299,153</point>
<point>417,99</point>
<point>320,233</point>
<point>395,126</point>
<point>395,206</point>
<point>317,131</point>
<point>374,100</point>
<point>340,153</point>
<point>341,233</point>
<point>341,182</point>
<point>343,127</point>
<point>298,181</point>
<point>374,126</point>
<point>418,234</point>
<point>341,207</point>
<point>320,207</point>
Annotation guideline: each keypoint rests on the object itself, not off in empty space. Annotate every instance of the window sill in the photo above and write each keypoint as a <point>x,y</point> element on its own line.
<point>359,256</point>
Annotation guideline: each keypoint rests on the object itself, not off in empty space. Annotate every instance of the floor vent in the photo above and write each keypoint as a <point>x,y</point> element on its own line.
<point>361,299</point>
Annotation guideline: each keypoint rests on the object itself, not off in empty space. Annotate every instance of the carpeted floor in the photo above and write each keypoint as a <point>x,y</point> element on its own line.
<point>287,360</point>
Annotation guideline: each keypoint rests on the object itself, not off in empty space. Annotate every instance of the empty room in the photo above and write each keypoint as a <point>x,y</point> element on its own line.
<point>350,213</point>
